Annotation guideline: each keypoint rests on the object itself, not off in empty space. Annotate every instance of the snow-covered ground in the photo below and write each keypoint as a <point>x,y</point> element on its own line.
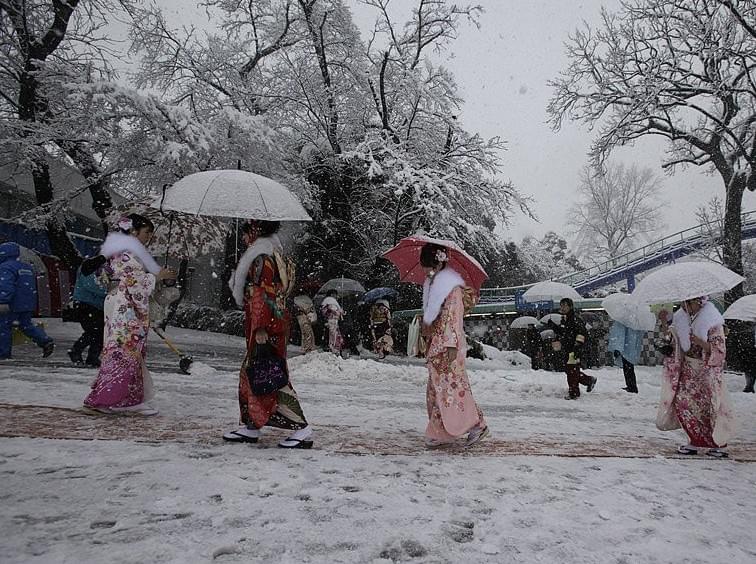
<point>167,489</point>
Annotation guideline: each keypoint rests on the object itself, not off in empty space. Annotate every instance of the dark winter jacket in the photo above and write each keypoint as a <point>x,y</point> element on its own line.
<point>571,333</point>
<point>18,283</point>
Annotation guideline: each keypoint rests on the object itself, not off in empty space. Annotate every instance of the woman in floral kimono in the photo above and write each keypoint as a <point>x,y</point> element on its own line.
<point>693,391</point>
<point>380,328</point>
<point>333,313</point>
<point>256,286</point>
<point>123,383</point>
<point>452,411</point>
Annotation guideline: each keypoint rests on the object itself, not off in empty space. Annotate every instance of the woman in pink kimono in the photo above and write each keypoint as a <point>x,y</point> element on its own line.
<point>693,391</point>
<point>123,383</point>
<point>333,313</point>
<point>452,411</point>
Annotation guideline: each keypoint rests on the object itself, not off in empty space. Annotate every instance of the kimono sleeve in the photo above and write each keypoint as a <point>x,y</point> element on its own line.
<point>452,335</point>
<point>716,339</point>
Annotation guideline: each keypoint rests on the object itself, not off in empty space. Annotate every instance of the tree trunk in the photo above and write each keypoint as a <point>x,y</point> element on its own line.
<point>732,234</point>
<point>60,243</point>
<point>98,186</point>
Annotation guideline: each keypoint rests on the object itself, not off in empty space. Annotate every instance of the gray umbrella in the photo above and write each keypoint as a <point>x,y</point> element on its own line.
<point>343,286</point>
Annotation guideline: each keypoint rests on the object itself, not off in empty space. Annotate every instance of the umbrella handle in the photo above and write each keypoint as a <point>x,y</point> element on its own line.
<point>162,198</point>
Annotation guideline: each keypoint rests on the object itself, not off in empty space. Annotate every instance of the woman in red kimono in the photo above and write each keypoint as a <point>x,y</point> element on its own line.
<point>256,286</point>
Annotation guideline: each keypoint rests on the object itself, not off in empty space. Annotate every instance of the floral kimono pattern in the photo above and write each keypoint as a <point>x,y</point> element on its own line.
<point>123,379</point>
<point>280,408</point>
<point>452,411</point>
<point>694,395</point>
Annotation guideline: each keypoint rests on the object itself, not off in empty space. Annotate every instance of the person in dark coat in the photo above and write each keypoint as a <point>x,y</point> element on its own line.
<point>18,301</point>
<point>533,346</point>
<point>89,301</point>
<point>571,338</point>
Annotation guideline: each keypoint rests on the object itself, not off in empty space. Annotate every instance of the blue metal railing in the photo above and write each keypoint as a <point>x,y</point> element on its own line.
<point>643,258</point>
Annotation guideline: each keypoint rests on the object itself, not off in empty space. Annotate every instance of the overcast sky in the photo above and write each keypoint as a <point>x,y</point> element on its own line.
<point>502,70</point>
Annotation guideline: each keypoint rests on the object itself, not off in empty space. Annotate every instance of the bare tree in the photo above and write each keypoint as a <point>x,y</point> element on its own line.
<point>617,206</point>
<point>711,218</point>
<point>684,70</point>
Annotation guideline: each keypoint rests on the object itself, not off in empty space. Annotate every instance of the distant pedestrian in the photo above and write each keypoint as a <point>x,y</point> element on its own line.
<point>533,346</point>
<point>625,345</point>
<point>452,411</point>
<point>18,301</point>
<point>380,328</point>
<point>333,313</point>
<point>306,316</point>
<point>89,303</point>
<point>749,360</point>
<point>571,336</point>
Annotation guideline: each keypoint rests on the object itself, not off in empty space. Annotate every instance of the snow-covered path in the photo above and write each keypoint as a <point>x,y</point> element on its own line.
<point>167,489</point>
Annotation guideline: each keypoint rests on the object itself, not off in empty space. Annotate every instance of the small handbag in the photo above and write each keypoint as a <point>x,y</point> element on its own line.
<point>266,371</point>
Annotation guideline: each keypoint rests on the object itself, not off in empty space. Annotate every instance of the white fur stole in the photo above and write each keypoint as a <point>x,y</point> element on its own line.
<point>435,291</point>
<point>116,243</point>
<point>261,246</point>
<point>706,318</point>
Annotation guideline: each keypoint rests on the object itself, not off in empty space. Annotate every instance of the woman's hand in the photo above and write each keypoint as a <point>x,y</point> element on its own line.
<point>701,343</point>
<point>426,330</point>
<point>261,336</point>
<point>451,354</point>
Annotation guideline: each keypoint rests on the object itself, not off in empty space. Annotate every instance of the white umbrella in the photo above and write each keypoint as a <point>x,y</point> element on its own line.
<point>523,322</point>
<point>554,317</point>
<point>684,281</point>
<point>232,193</point>
<point>550,290</point>
<point>743,309</point>
<point>626,309</point>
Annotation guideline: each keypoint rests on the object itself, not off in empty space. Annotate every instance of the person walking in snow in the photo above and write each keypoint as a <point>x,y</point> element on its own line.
<point>123,383</point>
<point>258,286</point>
<point>571,342</point>
<point>89,301</point>
<point>693,391</point>
<point>333,313</point>
<point>625,345</point>
<point>452,411</point>
<point>380,328</point>
<point>749,359</point>
<point>306,316</point>
<point>18,301</point>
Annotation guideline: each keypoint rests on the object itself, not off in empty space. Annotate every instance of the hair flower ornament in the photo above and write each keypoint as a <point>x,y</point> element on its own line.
<point>441,256</point>
<point>125,224</point>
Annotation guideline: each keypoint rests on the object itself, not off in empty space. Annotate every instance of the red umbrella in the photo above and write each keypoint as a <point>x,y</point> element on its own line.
<point>406,257</point>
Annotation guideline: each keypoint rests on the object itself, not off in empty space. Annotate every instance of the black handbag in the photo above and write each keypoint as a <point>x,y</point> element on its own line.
<point>266,371</point>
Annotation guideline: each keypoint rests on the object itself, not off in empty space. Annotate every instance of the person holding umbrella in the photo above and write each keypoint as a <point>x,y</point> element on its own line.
<point>452,411</point>
<point>333,313</point>
<point>571,338</point>
<point>694,394</point>
<point>259,285</point>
